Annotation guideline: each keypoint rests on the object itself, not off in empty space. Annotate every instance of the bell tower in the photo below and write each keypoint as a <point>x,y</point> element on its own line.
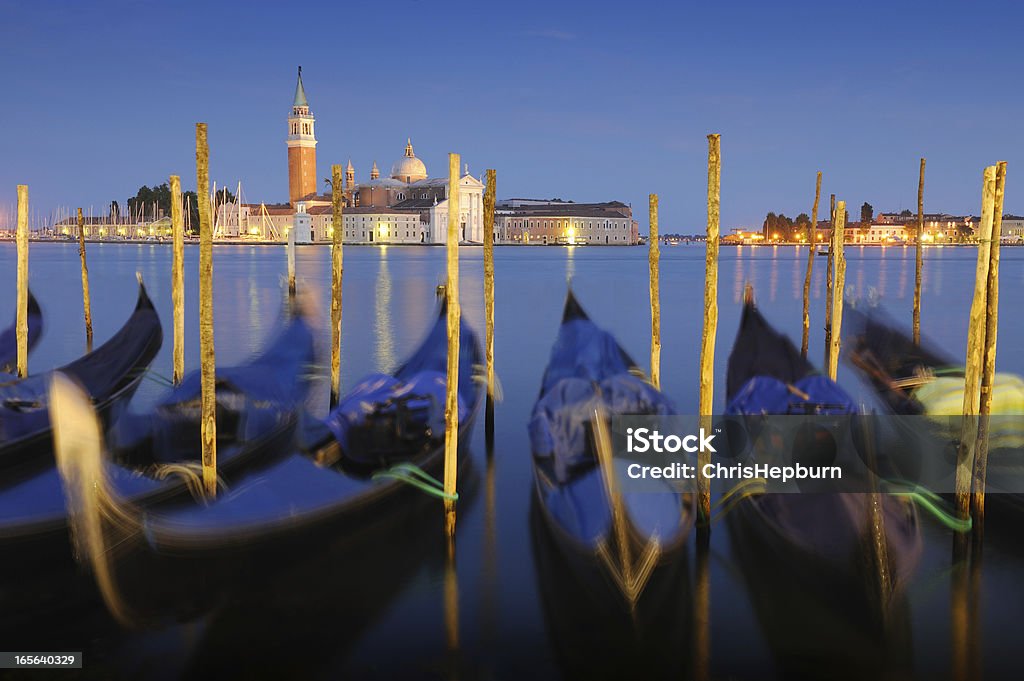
<point>301,147</point>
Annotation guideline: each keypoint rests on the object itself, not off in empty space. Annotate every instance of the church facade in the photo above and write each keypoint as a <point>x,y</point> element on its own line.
<point>406,207</point>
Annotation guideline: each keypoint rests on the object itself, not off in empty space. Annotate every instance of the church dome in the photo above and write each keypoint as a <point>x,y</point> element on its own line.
<point>409,168</point>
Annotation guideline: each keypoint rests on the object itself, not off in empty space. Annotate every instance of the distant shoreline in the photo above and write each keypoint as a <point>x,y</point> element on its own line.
<point>223,242</point>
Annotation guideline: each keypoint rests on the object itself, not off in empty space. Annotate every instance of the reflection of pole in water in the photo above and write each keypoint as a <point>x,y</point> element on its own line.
<point>384,351</point>
<point>797,289</point>
<point>883,272</point>
<point>773,275</point>
<point>737,283</point>
<point>702,613</point>
<point>965,617</point>
<point>903,275</point>
<point>451,606</point>
<point>489,581</point>
<point>570,262</point>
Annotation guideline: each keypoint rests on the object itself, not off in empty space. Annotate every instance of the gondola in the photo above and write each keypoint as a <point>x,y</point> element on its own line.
<point>9,337</point>
<point>386,433</point>
<point>594,636</point>
<point>922,380</point>
<point>589,370</point>
<point>155,455</point>
<point>110,375</point>
<point>818,536</point>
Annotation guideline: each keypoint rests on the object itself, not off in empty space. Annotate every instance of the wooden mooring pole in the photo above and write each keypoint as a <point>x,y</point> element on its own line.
<point>829,275</point>
<point>21,319</point>
<point>989,359</point>
<point>451,410</point>
<point>810,268</point>
<point>490,194</point>
<point>86,304</point>
<point>973,366</point>
<point>838,287</point>
<point>710,329</point>
<point>291,259</point>
<point>919,257</point>
<point>653,258</point>
<point>177,280</point>
<point>207,361</point>
<point>337,274</point>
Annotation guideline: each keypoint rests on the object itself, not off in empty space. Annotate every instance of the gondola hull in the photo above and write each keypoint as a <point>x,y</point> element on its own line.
<point>110,375</point>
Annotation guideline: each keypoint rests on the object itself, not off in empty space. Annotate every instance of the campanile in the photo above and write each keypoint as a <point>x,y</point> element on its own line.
<point>301,147</point>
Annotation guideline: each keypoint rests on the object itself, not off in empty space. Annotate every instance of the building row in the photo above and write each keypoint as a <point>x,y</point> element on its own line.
<point>408,206</point>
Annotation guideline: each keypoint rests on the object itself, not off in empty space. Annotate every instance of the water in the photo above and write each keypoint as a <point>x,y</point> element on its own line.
<point>397,621</point>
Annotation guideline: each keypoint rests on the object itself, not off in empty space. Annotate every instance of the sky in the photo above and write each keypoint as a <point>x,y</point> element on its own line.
<point>589,101</point>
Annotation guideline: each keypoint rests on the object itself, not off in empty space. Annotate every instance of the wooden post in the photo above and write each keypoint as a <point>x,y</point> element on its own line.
<point>178,280</point>
<point>989,357</point>
<point>919,258</point>
<point>337,274</point>
<point>710,330</point>
<point>85,282</point>
<point>207,361</point>
<point>291,259</point>
<point>653,256</point>
<point>21,321</point>
<point>975,351</point>
<point>810,267</point>
<point>490,194</point>
<point>838,287</point>
<point>829,274</point>
<point>451,410</point>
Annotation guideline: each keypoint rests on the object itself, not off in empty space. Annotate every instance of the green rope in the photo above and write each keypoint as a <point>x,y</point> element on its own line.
<point>418,478</point>
<point>931,502</point>
<point>157,378</point>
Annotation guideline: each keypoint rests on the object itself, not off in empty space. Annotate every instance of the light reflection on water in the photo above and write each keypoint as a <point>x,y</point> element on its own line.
<point>389,300</point>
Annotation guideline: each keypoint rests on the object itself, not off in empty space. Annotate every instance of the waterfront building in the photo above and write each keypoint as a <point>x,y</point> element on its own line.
<point>406,207</point>
<point>1012,228</point>
<point>541,222</point>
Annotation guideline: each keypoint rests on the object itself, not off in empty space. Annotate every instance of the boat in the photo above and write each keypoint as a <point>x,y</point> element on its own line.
<point>594,636</point>
<point>819,536</point>
<point>156,455</point>
<point>922,380</point>
<point>9,337</point>
<point>110,375</point>
<point>382,441</point>
<point>589,378</point>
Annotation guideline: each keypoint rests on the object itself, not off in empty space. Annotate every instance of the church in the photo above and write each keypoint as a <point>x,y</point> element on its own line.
<point>406,207</point>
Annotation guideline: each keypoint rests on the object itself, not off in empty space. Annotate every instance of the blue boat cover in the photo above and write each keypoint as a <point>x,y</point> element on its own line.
<point>250,399</point>
<point>813,394</point>
<point>406,411</point>
<point>587,368</point>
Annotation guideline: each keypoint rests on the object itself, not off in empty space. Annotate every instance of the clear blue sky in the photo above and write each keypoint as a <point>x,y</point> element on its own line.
<point>589,100</point>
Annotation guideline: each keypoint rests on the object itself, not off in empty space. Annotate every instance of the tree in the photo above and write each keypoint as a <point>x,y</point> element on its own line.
<point>867,212</point>
<point>140,206</point>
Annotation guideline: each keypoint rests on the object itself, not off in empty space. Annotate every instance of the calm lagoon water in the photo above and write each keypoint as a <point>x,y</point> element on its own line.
<point>392,622</point>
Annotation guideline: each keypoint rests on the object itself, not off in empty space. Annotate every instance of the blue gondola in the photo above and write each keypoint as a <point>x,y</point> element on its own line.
<point>110,375</point>
<point>588,368</point>
<point>388,432</point>
<point>819,533</point>
<point>258,406</point>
